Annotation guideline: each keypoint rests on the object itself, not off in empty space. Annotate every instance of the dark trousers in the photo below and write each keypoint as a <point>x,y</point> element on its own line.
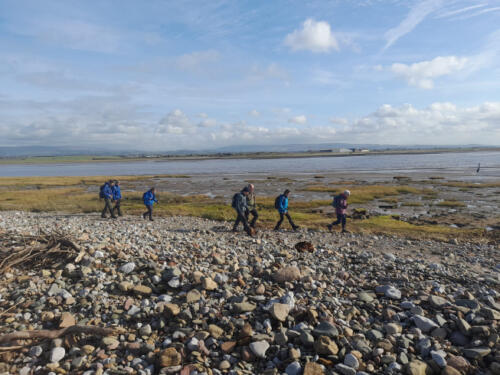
<point>107,207</point>
<point>341,218</point>
<point>241,219</point>
<point>255,216</point>
<point>149,212</point>
<point>117,207</point>
<point>282,216</point>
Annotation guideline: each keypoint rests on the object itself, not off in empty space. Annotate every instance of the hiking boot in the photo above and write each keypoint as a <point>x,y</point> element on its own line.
<point>114,217</point>
<point>345,231</point>
<point>103,216</point>
<point>151,220</point>
<point>295,228</point>
<point>330,227</point>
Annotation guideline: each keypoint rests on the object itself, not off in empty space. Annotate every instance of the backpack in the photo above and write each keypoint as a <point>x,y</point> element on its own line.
<point>277,202</point>
<point>234,202</point>
<point>144,196</point>
<point>101,191</point>
<point>336,201</point>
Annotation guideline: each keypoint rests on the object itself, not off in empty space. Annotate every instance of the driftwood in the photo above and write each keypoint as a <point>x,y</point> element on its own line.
<point>36,251</point>
<point>54,334</point>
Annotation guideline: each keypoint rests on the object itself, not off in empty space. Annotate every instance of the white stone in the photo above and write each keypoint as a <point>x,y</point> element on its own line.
<point>57,354</point>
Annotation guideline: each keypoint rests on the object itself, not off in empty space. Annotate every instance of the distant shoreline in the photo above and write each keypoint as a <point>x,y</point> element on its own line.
<point>250,155</point>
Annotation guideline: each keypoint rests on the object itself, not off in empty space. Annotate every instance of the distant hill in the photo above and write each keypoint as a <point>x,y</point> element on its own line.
<point>33,151</point>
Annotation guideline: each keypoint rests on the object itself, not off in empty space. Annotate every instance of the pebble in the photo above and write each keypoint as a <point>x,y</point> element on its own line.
<point>259,348</point>
<point>191,297</point>
<point>57,354</point>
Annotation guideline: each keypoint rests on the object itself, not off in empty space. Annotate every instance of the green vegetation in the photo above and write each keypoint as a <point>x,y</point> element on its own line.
<point>387,224</point>
<point>39,182</point>
<point>71,195</point>
<point>367,193</point>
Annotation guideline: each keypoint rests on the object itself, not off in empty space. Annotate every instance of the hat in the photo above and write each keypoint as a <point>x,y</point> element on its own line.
<point>245,190</point>
<point>347,193</point>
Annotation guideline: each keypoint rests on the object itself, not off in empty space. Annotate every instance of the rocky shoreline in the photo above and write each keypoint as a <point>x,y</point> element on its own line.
<point>187,296</point>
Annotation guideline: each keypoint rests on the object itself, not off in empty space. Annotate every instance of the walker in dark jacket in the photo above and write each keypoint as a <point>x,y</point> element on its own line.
<point>117,197</point>
<point>240,206</point>
<point>149,198</point>
<point>340,204</point>
<point>283,211</point>
<point>107,196</point>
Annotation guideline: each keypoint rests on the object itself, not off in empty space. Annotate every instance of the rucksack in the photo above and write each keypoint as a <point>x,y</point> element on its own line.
<point>144,196</point>
<point>234,201</point>
<point>277,202</point>
<point>336,201</point>
<point>101,191</point>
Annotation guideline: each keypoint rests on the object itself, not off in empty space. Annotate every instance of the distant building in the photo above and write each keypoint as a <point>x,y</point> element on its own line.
<point>345,150</point>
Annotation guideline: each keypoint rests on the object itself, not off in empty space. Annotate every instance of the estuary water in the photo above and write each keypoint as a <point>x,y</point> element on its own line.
<point>463,164</point>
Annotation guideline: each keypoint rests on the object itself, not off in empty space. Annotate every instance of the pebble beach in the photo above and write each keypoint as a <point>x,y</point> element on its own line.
<point>187,296</point>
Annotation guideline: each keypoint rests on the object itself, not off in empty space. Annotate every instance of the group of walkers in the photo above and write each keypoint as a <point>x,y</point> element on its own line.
<point>243,202</point>
<point>111,193</point>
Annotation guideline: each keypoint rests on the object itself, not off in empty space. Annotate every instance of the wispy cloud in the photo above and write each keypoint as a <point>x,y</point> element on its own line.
<point>416,15</point>
<point>478,13</point>
<point>454,12</point>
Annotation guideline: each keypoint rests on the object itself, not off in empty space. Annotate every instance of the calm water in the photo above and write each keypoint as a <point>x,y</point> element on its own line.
<point>463,164</point>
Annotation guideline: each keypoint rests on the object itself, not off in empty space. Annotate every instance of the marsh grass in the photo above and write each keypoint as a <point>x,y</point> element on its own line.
<point>367,193</point>
<point>70,195</point>
<point>387,224</point>
<point>42,182</point>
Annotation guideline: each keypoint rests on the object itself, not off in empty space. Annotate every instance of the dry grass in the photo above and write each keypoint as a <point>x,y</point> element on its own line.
<point>387,224</point>
<point>412,204</point>
<point>70,195</point>
<point>39,182</point>
<point>367,193</point>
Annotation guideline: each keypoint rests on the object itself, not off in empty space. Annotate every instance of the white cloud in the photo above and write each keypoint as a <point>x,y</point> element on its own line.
<point>208,123</point>
<point>440,123</point>
<point>176,122</point>
<point>301,120</point>
<point>416,15</point>
<point>314,36</point>
<point>422,74</point>
<point>254,113</point>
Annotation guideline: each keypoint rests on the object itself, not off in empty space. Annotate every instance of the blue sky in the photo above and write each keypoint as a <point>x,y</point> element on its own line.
<point>167,75</point>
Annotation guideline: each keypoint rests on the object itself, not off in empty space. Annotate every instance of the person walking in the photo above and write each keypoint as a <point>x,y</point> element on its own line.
<point>117,197</point>
<point>340,204</point>
<point>281,204</point>
<point>149,198</point>
<point>106,193</point>
<point>252,206</point>
<point>239,204</point>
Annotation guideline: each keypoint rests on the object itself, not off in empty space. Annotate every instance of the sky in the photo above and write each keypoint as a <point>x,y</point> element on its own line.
<point>169,75</point>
